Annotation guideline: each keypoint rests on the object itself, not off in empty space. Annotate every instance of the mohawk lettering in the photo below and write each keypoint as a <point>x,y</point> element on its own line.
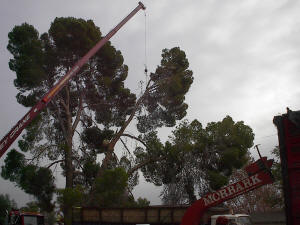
<point>239,187</point>
<point>255,179</point>
<point>223,193</point>
<point>232,190</point>
<point>208,200</point>
<point>247,183</point>
<point>216,196</point>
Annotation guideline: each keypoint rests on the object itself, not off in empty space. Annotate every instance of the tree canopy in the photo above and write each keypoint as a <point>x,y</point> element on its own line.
<point>34,180</point>
<point>92,112</point>
<point>197,159</point>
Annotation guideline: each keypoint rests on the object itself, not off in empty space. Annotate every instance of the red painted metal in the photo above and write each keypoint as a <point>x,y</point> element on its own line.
<point>289,143</point>
<point>194,213</point>
<point>17,217</point>
<point>11,136</point>
<point>258,165</point>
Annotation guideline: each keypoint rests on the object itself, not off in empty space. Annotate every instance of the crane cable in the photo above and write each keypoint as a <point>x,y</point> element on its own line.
<point>145,42</point>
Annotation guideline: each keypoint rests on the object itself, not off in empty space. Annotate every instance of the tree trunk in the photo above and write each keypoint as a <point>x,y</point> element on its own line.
<point>68,156</point>
<point>189,188</point>
<point>69,181</point>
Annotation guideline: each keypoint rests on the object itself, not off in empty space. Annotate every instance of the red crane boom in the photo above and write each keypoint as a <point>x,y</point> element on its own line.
<point>259,175</point>
<point>11,136</point>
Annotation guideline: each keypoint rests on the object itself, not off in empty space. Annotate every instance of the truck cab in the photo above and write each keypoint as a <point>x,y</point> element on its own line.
<point>234,219</point>
<point>16,217</point>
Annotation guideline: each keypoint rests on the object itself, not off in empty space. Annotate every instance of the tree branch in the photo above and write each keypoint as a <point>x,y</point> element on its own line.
<point>55,162</point>
<point>68,114</point>
<point>144,163</point>
<point>78,161</point>
<point>136,138</point>
<point>124,144</point>
<point>96,104</point>
<point>58,112</point>
<point>40,153</point>
<point>68,96</point>
<point>61,100</point>
<point>77,119</point>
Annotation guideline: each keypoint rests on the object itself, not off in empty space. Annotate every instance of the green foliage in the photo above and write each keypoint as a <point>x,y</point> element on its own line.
<point>90,170</point>
<point>70,197</point>
<point>14,164</point>
<point>33,134</point>
<point>94,138</point>
<point>139,203</point>
<point>127,162</point>
<point>276,200</point>
<point>232,141</point>
<point>142,202</point>
<point>74,36</point>
<point>25,45</point>
<point>88,173</point>
<point>39,182</point>
<point>216,180</point>
<point>197,159</point>
<point>276,168</point>
<point>31,207</point>
<point>165,102</point>
<point>154,146</point>
<point>155,149</point>
<point>110,187</point>
<point>6,204</point>
<point>34,180</point>
<point>50,218</point>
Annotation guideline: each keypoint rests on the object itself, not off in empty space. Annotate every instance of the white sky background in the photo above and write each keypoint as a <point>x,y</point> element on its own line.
<point>244,55</point>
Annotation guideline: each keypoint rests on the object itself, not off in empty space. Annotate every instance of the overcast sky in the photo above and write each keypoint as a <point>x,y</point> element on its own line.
<point>244,55</point>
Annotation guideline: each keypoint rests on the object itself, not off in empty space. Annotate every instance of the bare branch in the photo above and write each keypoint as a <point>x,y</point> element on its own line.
<point>55,162</point>
<point>98,104</point>
<point>40,152</point>
<point>124,144</point>
<point>69,115</point>
<point>136,138</point>
<point>77,119</point>
<point>79,162</point>
<point>58,112</point>
<point>68,96</point>
<point>62,102</point>
<point>142,164</point>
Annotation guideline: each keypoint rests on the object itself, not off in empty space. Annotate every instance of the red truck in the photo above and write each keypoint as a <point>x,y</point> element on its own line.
<point>17,217</point>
